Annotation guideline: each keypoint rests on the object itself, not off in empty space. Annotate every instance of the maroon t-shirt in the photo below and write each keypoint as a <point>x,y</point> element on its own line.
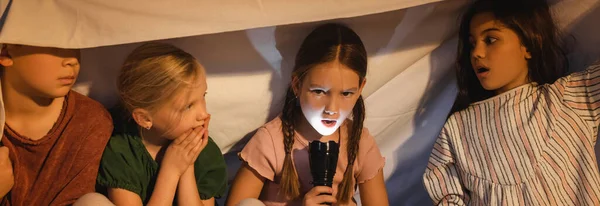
<point>61,166</point>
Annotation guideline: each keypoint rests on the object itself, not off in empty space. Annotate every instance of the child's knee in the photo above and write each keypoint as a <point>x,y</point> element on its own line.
<point>250,202</point>
<point>93,199</point>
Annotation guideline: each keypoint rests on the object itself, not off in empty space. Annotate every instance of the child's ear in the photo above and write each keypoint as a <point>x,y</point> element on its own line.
<point>362,85</point>
<point>295,85</point>
<point>5,59</point>
<point>142,117</point>
<point>526,52</point>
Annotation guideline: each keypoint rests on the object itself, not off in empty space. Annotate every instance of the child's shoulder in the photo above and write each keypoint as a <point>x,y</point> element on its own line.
<point>267,135</point>
<point>366,138</point>
<point>124,163</point>
<point>211,152</point>
<point>125,134</point>
<point>123,145</point>
<point>365,131</point>
<point>212,146</point>
<point>270,130</point>
<point>122,120</point>
<point>273,126</point>
<point>454,118</point>
<point>89,108</point>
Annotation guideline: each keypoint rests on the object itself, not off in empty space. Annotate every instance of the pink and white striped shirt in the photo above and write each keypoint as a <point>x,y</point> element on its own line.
<point>532,145</point>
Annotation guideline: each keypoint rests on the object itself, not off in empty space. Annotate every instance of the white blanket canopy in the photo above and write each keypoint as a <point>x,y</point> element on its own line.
<point>248,49</point>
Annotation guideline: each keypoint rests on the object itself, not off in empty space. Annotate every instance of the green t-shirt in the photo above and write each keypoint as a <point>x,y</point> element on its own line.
<point>126,164</point>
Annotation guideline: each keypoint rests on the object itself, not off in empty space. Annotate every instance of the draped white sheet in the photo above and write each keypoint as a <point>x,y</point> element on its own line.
<point>248,49</point>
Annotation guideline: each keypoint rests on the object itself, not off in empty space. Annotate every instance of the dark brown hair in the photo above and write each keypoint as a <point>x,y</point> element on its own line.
<point>327,43</point>
<point>532,21</point>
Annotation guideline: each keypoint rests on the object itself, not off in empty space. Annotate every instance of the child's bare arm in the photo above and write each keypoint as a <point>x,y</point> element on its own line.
<point>247,184</point>
<point>372,192</point>
<point>209,202</point>
<point>123,197</point>
<point>163,194</point>
<point>180,155</point>
<point>166,186</point>
<point>187,191</point>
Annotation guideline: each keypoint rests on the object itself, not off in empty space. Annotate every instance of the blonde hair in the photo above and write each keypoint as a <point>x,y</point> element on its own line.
<point>153,73</point>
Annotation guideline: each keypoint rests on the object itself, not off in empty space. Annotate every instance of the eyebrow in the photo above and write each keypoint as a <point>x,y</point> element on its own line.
<point>488,30</point>
<point>191,99</point>
<point>345,90</point>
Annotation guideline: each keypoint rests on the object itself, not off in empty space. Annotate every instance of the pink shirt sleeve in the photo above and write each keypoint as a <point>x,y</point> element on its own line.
<point>369,158</point>
<point>259,154</point>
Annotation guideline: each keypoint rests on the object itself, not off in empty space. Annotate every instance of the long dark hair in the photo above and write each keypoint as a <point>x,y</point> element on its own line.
<point>532,21</point>
<point>329,42</point>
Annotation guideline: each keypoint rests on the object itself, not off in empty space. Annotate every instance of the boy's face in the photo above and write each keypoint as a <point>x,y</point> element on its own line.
<point>40,71</point>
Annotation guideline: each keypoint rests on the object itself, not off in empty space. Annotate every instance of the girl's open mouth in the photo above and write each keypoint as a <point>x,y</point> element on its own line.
<point>329,123</point>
